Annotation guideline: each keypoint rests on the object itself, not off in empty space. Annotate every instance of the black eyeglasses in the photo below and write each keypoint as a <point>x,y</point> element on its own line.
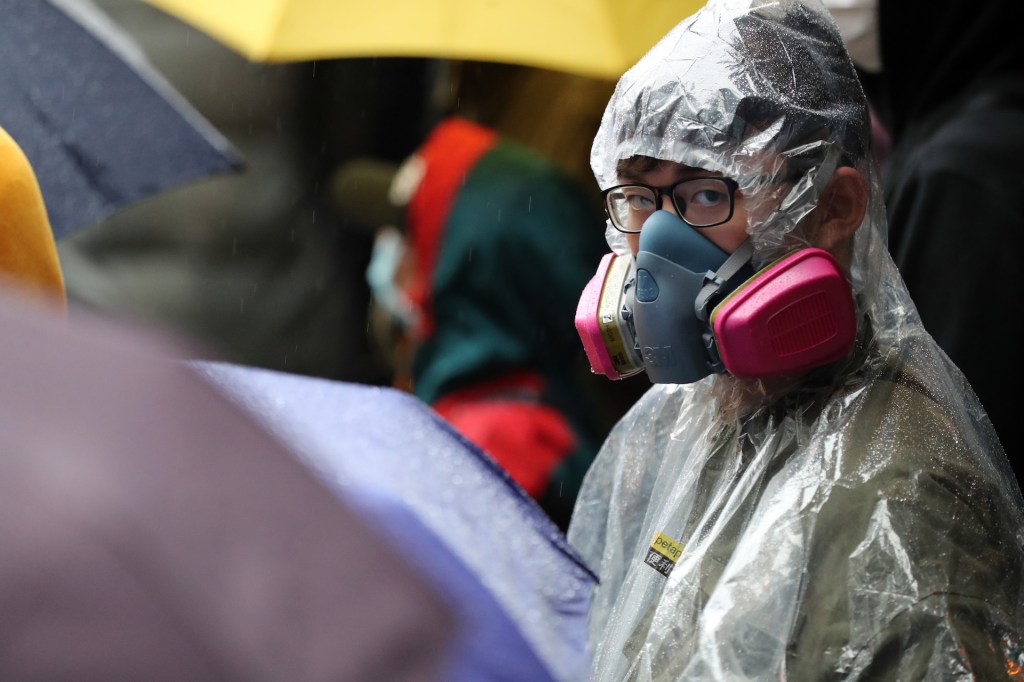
<point>701,202</point>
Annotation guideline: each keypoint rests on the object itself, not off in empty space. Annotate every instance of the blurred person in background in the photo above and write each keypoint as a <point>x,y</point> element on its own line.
<point>948,85</point>
<point>264,270</point>
<point>485,239</point>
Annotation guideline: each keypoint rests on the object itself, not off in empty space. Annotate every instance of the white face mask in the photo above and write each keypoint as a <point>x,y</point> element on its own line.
<point>389,249</point>
<point>858,25</point>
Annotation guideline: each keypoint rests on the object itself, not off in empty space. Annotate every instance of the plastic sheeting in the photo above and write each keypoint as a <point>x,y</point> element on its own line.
<point>860,523</point>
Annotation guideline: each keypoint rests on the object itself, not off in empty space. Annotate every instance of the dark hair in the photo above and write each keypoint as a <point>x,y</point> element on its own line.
<point>811,84</point>
<point>636,166</point>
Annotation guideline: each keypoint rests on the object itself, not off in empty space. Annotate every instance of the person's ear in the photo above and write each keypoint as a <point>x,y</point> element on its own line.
<point>843,205</point>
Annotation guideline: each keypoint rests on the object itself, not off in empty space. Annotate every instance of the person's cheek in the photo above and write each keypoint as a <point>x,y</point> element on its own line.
<point>634,242</point>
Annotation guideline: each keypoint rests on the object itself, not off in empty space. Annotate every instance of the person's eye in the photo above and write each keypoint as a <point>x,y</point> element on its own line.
<point>640,202</point>
<point>708,198</point>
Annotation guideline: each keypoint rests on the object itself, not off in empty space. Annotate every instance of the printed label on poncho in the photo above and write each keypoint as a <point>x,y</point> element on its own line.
<point>663,553</point>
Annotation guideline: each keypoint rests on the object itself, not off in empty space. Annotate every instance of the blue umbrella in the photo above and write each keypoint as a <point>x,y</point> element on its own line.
<point>450,509</point>
<point>100,126</point>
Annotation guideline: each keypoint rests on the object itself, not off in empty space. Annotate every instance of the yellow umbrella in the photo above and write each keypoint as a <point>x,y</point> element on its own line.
<point>596,38</point>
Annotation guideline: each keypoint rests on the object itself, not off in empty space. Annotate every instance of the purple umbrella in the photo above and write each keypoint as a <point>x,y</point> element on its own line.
<point>153,531</point>
<point>449,508</point>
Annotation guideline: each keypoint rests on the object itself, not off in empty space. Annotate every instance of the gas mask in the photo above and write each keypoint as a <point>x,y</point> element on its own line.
<point>604,319</point>
<point>686,309</point>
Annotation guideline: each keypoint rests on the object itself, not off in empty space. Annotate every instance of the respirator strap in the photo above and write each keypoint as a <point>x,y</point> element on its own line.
<point>714,281</point>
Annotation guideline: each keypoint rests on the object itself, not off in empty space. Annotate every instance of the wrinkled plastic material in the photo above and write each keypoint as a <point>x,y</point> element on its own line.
<point>863,524</point>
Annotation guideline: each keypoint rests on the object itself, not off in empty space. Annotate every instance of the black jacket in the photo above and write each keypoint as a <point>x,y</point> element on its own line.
<point>952,97</point>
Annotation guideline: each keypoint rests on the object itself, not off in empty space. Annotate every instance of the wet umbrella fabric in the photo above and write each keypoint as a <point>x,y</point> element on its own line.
<point>595,38</point>
<point>152,531</point>
<point>100,126</point>
<point>388,451</point>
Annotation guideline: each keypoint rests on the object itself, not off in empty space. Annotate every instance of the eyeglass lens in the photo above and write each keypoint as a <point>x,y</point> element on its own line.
<point>701,202</point>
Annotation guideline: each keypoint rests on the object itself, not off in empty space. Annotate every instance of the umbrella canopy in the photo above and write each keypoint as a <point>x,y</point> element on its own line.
<point>99,125</point>
<point>152,531</point>
<point>467,523</point>
<point>596,38</point>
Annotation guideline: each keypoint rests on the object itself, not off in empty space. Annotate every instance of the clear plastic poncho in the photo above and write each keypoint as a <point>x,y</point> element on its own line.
<point>861,522</point>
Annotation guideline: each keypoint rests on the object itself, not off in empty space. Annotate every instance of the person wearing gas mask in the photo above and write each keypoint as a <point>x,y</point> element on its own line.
<point>810,490</point>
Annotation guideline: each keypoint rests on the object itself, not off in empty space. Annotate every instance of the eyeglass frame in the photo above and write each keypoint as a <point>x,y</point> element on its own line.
<point>669,191</point>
